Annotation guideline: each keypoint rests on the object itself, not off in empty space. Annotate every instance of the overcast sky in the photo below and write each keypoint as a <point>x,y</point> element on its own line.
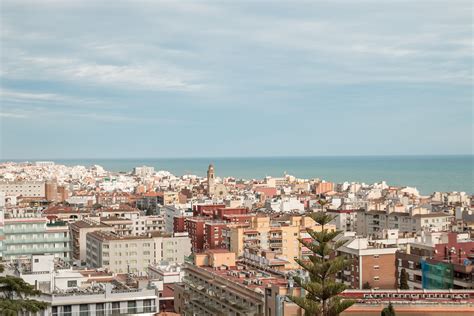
<point>87,79</point>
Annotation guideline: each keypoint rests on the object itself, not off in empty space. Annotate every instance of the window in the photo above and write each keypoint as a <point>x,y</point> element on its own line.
<point>147,306</point>
<point>99,309</point>
<point>54,310</point>
<point>376,256</point>
<point>72,283</point>
<point>376,278</point>
<point>67,310</point>
<point>83,310</point>
<point>36,260</point>
<point>376,267</point>
<point>132,307</point>
<point>115,308</point>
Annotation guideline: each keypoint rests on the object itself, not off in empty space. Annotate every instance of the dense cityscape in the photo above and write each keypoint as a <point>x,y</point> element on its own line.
<point>148,242</point>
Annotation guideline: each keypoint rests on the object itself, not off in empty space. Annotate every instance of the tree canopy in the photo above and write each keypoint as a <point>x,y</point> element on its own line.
<point>322,290</point>
<point>16,297</point>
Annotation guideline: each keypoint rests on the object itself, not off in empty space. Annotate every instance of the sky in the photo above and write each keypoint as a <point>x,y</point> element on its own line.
<point>133,79</point>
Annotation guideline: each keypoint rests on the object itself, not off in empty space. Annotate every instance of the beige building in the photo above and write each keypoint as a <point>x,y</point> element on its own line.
<point>122,254</point>
<point>79,231</point>
<point>279,236</point>
<point>26,189</point>
<point>215,258</point>
<point>373,223</point>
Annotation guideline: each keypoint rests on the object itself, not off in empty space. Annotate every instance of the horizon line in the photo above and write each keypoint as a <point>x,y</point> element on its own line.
<point>232,157</point>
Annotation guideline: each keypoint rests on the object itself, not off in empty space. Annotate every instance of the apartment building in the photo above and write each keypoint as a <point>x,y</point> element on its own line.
<point>227,288</point>
<point>25,189</point>
<point>79,231</point>
<point>133,254</point>
<point>371,265</point>
<point>195,228</point>
<point>71,292</point>
<point>143,171</point>
<point>168,198</point>
<point>373,222</point>
<point>277,235</point>
<point>145,224</point>
<point>169,212</point>
<point>439,261</point>
<point>25,236</point>
<point>344,220</point>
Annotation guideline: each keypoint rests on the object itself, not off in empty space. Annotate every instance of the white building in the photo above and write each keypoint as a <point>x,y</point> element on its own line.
<point>170,212</point>
<point>285,205</point>
<point>143,171</point>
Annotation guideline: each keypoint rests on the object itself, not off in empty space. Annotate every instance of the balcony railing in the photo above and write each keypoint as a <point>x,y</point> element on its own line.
<point>36,240</point>
<point>35,250</point>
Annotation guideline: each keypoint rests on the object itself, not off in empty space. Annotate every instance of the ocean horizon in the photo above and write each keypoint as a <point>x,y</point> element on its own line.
<point>428,173</point>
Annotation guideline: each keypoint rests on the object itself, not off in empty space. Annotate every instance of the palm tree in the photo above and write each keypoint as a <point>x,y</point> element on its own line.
<point>322,291</point>
<point>15,293</point>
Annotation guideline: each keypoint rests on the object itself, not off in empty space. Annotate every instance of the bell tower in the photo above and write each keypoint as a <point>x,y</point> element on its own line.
<point>210,180</point>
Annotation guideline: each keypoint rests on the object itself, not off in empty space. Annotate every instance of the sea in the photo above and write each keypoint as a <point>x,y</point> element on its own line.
<point>427,173</point>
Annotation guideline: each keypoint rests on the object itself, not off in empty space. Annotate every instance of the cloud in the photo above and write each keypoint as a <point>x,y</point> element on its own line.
<point>13,115</point>
<point>132,76</point>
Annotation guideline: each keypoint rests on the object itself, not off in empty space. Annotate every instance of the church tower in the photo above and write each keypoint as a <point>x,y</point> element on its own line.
<point>210,180</point>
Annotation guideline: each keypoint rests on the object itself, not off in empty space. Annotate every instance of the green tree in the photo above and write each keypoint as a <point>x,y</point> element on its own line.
<point>322,291</point>
<point>366,286</point>
<point>15,296</point>
<point>403,281</point>
<point>388,311</point>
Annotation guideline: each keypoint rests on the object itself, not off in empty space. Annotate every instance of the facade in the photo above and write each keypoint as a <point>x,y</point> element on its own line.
<point>143,171</point>
<point>169,212</point>
<point>86,292</point>
<point>106,300</point>
<point>344,220</point>
<point>373,222</point>
<point>280,237</point>
<point>26,236</point>
<point>26,189</point>
<point>133,254</point>
<point>168,198</point>
<point>371,265</point>
<point>79,231</point>
<point>195,229</point>
<point>439,261</point>
<point>216,285</point>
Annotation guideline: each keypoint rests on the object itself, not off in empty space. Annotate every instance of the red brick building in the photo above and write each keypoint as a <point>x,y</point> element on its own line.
<point>213,235</point>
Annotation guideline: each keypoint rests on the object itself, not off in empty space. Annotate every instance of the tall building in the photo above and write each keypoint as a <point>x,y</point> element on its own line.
<point>210,180</point>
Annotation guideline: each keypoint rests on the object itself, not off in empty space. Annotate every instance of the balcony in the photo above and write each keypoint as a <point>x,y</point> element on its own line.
<point>35,240</point>
<point>24,231</point>
<point>11,252</point>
